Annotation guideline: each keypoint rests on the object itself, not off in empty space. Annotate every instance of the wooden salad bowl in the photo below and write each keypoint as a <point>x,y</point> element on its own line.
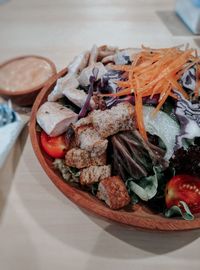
<point>138,216</point>
<point>26,97</point>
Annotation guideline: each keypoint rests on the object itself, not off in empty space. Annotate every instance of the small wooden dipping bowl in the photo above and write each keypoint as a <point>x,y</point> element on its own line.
<point>139,216</point>
<point>25,97</point>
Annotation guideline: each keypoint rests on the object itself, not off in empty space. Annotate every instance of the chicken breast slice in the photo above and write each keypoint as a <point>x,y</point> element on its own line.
<point>94,174</point>
<point>105,51</point>
<point>79,63</point>
<point>93,55</point>
<point>86,73</point>
<point>113,191</point>
<point>65,83</point>
<point>79,158</point>
<point>54,118</point>
<point>122,57</point>
<point>78,97</point>
<point>69,80</point>
<point>110,122</point>
<point>87,138</point>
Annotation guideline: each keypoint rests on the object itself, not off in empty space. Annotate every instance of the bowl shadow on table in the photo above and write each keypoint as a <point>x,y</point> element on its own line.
<point>150,242</point>
<point>9,168</point>
<point>109,238</point>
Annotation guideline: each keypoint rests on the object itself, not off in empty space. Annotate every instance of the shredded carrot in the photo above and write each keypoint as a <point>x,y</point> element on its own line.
<point>163,99</point>
<point>123,83</point>
<point>123,92</point>
<point>156,72</point>
<point>174,96</point>
<point>178,87</point>
<point>139,111</point>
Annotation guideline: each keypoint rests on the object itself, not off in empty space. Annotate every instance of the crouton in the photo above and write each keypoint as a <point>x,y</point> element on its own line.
<point>110,122</point>
<point>113,191</point>
<point>87,138</point>
<point>79,158</point>
<point>83,121</point>
<point>94,174</point>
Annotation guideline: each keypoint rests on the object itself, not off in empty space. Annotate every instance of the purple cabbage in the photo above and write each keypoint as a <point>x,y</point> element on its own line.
<point>188,114</point>
<point>86,106</point>
<point>188,79</point>
<point>108,84</point>
<point>131,99</point>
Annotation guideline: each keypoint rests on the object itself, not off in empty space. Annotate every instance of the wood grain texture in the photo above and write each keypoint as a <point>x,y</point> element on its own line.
<point>139,216</point>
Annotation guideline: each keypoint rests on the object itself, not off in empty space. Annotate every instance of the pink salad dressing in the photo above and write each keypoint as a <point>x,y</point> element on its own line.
<point>24,73</point>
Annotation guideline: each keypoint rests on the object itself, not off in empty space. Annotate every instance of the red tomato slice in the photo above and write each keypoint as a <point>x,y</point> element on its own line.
<point>183,188</point>
<point>54,146</point>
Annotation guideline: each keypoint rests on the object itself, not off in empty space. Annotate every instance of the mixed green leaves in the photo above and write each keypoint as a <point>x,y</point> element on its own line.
<point>69,174</point>
<point>187,161</point>
<point>146,187</point>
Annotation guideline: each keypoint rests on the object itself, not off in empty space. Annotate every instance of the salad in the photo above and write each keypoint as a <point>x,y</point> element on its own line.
<point>124,125</point>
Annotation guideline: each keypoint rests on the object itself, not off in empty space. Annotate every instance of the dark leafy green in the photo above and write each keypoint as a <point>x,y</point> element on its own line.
<point>132,156</point>
<point>94,188</point>
<point>187,161</point>
<point>146,187</point>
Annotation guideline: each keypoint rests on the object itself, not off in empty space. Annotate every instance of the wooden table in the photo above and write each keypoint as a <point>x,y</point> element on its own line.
<point>39,227</point>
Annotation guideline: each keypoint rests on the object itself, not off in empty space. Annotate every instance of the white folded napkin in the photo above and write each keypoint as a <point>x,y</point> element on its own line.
<point>8,136</point>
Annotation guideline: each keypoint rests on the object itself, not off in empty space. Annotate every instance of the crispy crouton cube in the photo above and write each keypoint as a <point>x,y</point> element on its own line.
<point>113,191</point>
<point>94,174</point>
<point>79,158</point>
<point>87,138</point>
<point>110,122</point>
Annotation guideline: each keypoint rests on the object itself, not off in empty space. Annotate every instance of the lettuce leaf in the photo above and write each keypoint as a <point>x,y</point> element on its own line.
<point>177,211</point>
<point>146,188</point>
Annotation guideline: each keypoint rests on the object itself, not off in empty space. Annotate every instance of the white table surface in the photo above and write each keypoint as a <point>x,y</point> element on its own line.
<point>40,228</point>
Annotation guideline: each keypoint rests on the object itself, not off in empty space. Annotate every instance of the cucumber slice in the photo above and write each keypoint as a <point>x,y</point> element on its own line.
<point>163,126</point>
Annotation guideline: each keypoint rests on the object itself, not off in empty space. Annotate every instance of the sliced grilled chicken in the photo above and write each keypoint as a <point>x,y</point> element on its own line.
<point>79,63</point>
<point>93,55</point>
<point>54,118</point>
<point>69,80</point>
<point>122,57</point>
<point>86,73</point>
<point>63,84</point>
<point>105,51</point>
<point>77,97</point>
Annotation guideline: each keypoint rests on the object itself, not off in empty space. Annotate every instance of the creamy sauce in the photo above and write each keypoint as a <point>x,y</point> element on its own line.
<point>25,73</point>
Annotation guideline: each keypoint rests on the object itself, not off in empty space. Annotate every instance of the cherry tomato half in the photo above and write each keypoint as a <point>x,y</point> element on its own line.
<point>183,188</point>
<point>54,146</point>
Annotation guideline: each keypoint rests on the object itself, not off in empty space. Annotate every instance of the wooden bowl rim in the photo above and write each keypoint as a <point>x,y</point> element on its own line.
<point>29,90</point>
<point>144,220</point>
